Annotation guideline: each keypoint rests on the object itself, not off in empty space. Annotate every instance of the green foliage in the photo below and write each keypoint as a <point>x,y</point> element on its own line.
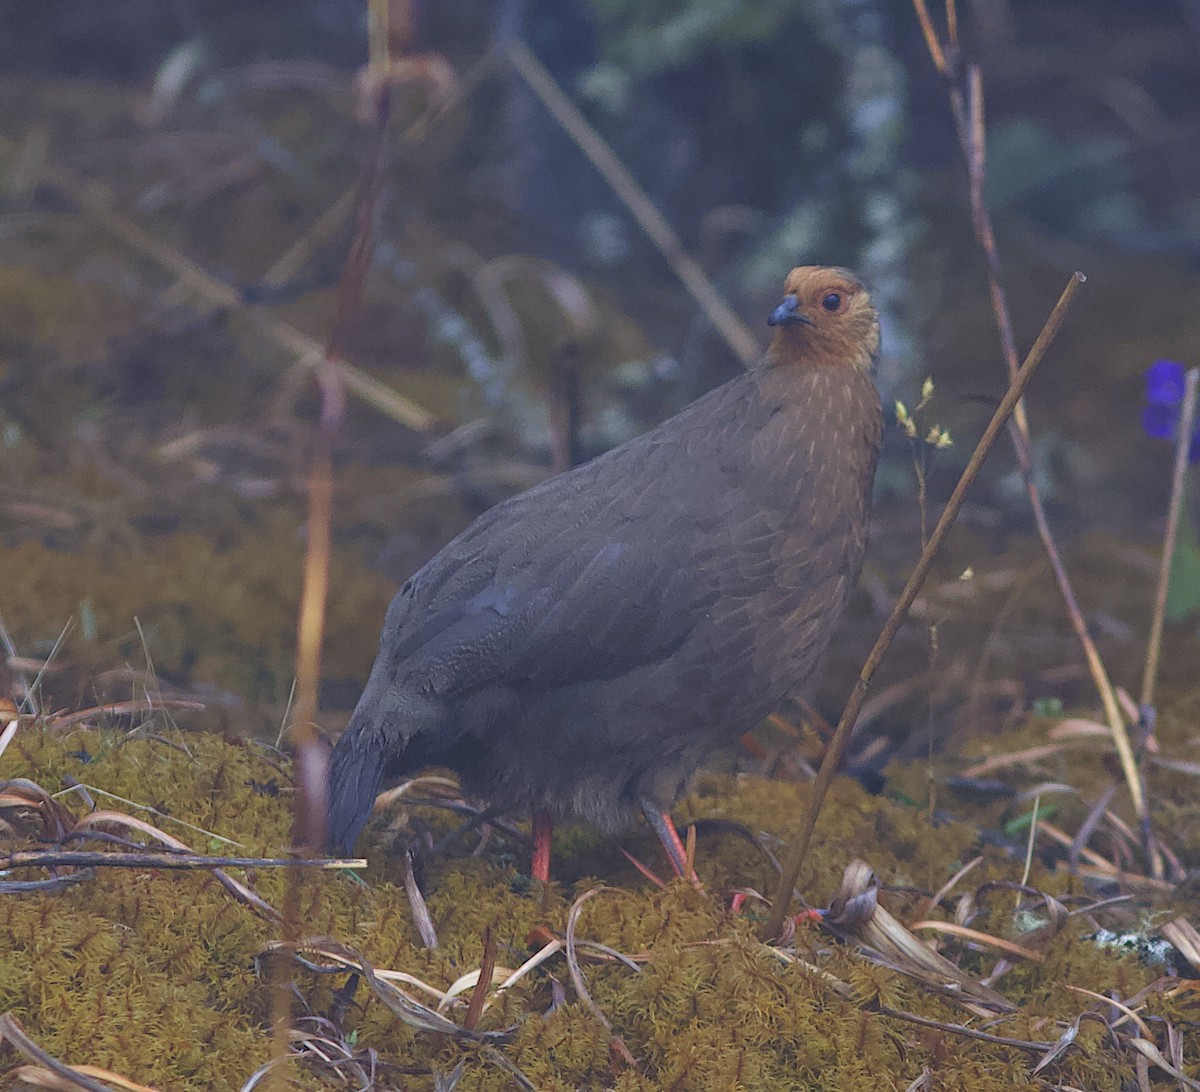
<point>216,614</point>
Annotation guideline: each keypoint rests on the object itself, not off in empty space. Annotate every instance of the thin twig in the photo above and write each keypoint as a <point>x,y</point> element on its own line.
<point>837,746</point>
<point>576,974</point>
<point>1033,826</point>
<point>1183,443</point>
<point>120,709</point>
<point>960,1029</point>
<point>968,113</point>
<point>310,812</point>
<point>731,328</point>
<point>50,858</point>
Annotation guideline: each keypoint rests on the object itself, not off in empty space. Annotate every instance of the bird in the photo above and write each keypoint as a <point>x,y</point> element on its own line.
<point>582,647</point>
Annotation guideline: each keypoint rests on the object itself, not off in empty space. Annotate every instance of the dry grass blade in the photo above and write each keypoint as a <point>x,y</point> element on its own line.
<point>486,969</point>
<point>577,978</point>
<point>539,957</point>
<point>178,862</point>
<point>1078,727</point>
<point>239,890</point>
<point>1088,827</point>
<point>22,795</point>
<point>334,1055</point>
<point>45,1078</point>
<point>845,991</point>
<point>12,1033</point>
<point>261,1073</point>
<point>1186,939</point>
<point>1102,868</point>
<point>82,786</point>
<point>339,958</point>
<point>1192,769</point>
<point>422,919</point>
<point>119,709</point>
<point>856,914</point>
<point>1129,1013</point>
<point>9,733</point>
<point>311,809</point>
<point>310,755</point>
<point>500,1062</point>
<point>931,39</point>
<point>936,899</point>
<point>413,1012</point>
<point>383,983</point>
<point>961,1029</point>
<point>743,343</point>
<point>645,870</point>
<point>1033,826</point>
<point>1065,1041</point>
<point>999,943</point>
<point>1155,1056</point>
<point>1016,758</point>
<point>430,783</point>
<point>470,981</point>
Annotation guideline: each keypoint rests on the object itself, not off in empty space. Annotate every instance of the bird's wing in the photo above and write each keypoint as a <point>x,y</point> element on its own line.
<point>541,604</point>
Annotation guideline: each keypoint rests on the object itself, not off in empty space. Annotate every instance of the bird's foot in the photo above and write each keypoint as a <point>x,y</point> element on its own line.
<point>660,821</point>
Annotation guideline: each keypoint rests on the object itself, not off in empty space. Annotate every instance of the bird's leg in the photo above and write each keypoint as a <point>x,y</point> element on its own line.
<point>543,827</point>
<point>662,825</point>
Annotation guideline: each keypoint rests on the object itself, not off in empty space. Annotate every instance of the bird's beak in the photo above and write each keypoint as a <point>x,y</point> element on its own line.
<point>788,313</point>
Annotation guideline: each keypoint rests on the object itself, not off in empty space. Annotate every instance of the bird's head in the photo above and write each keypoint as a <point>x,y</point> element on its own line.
<point>825,320</point>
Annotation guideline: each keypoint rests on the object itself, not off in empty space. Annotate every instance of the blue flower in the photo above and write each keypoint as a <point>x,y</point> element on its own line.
<point>1164,392</point>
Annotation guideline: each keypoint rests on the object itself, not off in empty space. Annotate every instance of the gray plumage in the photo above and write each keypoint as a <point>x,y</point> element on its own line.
<point>583,646</point>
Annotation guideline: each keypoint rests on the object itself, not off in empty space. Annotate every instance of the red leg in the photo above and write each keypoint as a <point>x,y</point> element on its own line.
<point>543,827</point>
<point>663,826</point>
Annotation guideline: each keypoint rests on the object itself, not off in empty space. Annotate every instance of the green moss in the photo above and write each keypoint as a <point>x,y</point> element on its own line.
<point>209,615</point>
<point>153,974</point>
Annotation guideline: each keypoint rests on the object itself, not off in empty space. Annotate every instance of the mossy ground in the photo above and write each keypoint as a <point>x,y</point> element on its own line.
<point>153,974</point>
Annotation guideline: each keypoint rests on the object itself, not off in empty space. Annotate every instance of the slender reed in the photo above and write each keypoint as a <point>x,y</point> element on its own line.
<point>965,89</point>
<point>837,746</point>
<point>1183,443</point>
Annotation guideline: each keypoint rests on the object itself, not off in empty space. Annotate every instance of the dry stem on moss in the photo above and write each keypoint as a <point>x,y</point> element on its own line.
<point>967,109</point>
<point>837,746</point>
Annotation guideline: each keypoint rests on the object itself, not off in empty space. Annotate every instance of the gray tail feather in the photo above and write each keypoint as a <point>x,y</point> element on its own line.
<point>355,774</point>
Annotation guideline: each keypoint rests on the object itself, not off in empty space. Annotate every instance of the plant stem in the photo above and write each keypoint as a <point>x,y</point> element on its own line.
<point>1183,443</point>
<point>967,110</point>
<point>837,746</point>
<point>732,329</point>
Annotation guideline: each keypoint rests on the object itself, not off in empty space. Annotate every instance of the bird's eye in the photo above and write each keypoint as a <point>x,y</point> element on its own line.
<point>832,301</point>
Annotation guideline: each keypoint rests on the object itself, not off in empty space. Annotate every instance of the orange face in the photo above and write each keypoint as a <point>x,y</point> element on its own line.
<point>826,318</point>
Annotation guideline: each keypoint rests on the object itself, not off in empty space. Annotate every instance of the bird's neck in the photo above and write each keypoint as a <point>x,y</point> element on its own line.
<point>788,350</point>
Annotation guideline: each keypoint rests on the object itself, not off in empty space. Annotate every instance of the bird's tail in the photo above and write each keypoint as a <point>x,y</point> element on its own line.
<point>355,774</point>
